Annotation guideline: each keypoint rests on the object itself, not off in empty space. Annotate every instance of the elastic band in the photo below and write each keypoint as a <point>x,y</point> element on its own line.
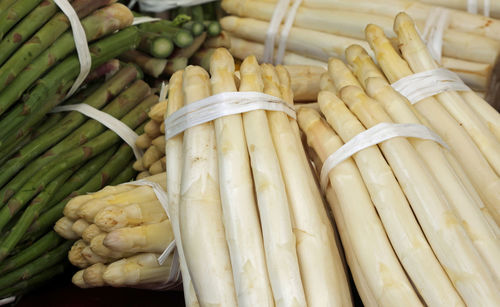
<point>373,136</point>
<point>429,83</point>
<point>144,19</point>
<point>81,44</point>
<point>436,23</point>
<point>7,300</point>
<point>279,13</point>
<point>123,131</point>
<point>472,7</point>
<point>163,91</point>
<point>223,104</point>
<point>286,30</point>
<point>163,5</point>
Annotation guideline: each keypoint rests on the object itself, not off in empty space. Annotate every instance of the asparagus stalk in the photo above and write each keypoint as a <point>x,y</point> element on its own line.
<point>93,257</point>
<point>223,40</point>
<point>100,250</point>
<point>15,13</point>
<point>235,174</point>
<point>79,226</point>
<point>200,212</point>
<point>181,37</point>
<point>175,64</point>
<point>31,269</point>
<point>272,200</point>
<point>488,115</point>
<point>125,175</point>
<point>464,149</point>
<point>156,45</point>
<point>5,4</point>
<point>92,275</point>
<point>91,232</point>
<point>75,254</point>
<point>195,27</point>
<point>421,60</point>
<point>362,224</point>
<point>174,158</point>
<point>101,23</point>
<point>151,66</point>
<point>64,227</point>
<point>188,51</point>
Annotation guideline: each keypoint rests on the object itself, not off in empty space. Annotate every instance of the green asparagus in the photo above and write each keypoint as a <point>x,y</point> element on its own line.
<point>35,281</point>
<point>16,12</point>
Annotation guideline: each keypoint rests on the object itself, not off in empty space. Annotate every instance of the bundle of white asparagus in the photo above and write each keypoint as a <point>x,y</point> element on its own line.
<point>322,29</point>
<point>153,143</point>
<point>120,232</point>
<point>483,7</point>
<point>248,218</point>
<point>419,223</point>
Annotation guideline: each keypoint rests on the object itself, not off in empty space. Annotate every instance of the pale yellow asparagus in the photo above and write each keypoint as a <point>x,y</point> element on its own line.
<point>443,230</point>
<point>92,276</point>
<point>78,281</point>
<point>312,105</point>
<point>159,143</point>
<point>475,75</point>
<point>151,155</point>
<point>138,166</point>
<point>162,127</point>
<point>488,115</point>
<point>156,168</point>
<point>152,128</point>
<point>279,240</point>
<point>340,75</point>
<point>241,222</point>
<point>143,141</point>
<point>415,255</point>
<point>63,227</point>
<point>173,153</point>
<point>143,175</point>
<point>222,40</point>
<point>419,59</point>
<point>115,217</point>
<point>93,258</point>
<point>314,249</point>
<point>142,269</point>
<point>97,247</point>
<point>91,232</point>
<point>494,6</point>
<point>200,213</point>
<point>326,83</point>
<point>79,226</point>
<point>364,228</point>
<point>158,111</point>
<point>467,206</point>
<point>304,81</point>
<point>484,178</point>
<point>75,254</point>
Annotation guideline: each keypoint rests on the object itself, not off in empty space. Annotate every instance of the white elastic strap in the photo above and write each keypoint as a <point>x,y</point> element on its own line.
<point>278,14</point>
<point>286,30</point>
<point>123,131</point>
<point>223,104</point>
<point>7,300</point>
<point>436,23</point>
<point>163,91</point>
<point>163,5</point>
<point>174,278</point>
<point>144,19</point>
<point>162,196</point>
<point>429,83</point>
<point>81,44</point>
<point>373,136</point>
<point>486,8</point>
<point>472,7</point>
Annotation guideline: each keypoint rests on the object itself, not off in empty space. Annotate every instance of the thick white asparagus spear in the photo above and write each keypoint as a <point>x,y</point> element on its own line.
<point>93,258</point>
<point>444,232</point>
<point>63,227</point>
<point>463,203</point>
<point>419,59</point>
<point>75,255</point>
<point>488,115</point>
<point>415,255</point>
<point>173,154</point>
<point>318,267</point>
<point>380,266</point>
<point>79,226</point>
<point>92,276</point>
<point>78,281</point>
<point>97,246</point>
<point>484,178</point>
<point>91,232</point>
<point>115,217</point>
<point>200,216</point>
<point>275,217</point>
<point>241,221</point>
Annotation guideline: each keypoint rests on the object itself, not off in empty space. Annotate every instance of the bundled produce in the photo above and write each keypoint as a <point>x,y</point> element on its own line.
<point>424,210</point>
<point>322,29</point>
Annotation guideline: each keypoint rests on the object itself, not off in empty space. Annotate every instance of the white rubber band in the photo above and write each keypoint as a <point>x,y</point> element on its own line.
<point>373,136</point>
<point>472,7</point>
<point>123,131</point>
<point>429,83</point>
<point>163,91</point>
<point>163,5</point>
<point>144,19</point>
<point>436,23</point>
<point>81,44</point>
<point>279,13</point>
<point>174,278</point>
<point>7,300</point>
<point>285,31</point>
<point>223,104</point>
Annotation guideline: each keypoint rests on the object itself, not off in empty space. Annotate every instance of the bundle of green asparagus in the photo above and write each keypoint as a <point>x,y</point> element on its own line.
<point>429,214</point>
<point>38,62</point>
<point>70,155</point>
<point>120,231</point>
<point>277,246</point>
<point>322,29</point>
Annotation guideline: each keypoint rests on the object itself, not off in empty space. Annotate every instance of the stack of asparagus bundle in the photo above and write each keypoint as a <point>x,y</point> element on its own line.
<point>430,215</point>
<point>277,246</point>
<point>167,45</point>
<point>38,62</point>
<point>152,141</point>
<point>120,232</point>
<point>323,29</point>
<point>71,155</point>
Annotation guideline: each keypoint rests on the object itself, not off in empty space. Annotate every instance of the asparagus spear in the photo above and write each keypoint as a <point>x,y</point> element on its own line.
<point>195,27</point>
<point>91,232</point>
<point>47,242</point>
<point>151,66</point>
<point>31,269</point>
<point>71,158</point>
<point>49,33</point>
<point>156,45</point>
<point>181,37</point>
<point>118,108</point>
<point>5,4</point>
<point>102,22</point>
<point>16,12</point>
<point>126,175</point>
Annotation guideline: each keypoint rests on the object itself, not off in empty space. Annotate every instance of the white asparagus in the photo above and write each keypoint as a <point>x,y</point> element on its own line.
<point>415,255</point>
<point>241,222</point>
<point>275,217</point>
<point>75,255</point>
<point>444,232</point>
<point>78,281</point>
<point>200,213</point>
<point>92,276</point>
<point>488,115</point>
<point>158,111</point>
<point>94,258</point>
<point>367,236</point>
<point>91,232</point>
<point>419,59</point>
<point>79,226</point>
<point>485,180</point>
<point>63,227</point>
<point>97,246</point>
